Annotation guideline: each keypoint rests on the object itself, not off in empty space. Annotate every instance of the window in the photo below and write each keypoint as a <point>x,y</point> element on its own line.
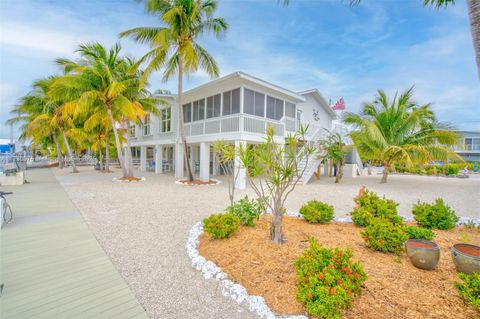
<point>146,125</point>
<point>165,120</point>
<point>253,103</point>
<point>289,109</point>
<point>132,130</point>
<point>274,108</point>
<point>231,102</point>
<point>198,110</point>
<point>187,112</point>
<point>213,106</point>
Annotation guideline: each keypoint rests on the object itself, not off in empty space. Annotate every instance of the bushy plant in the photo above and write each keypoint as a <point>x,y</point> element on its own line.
<point>452,169</point>
<point>370,206</point>
<point>384,236</point>
<point>437,215</point>
<point>247,210</point>
<point>317,212</point>
<point>221,225</point>
<point>469,289</point>
<point>327,280</point>
<point>415,232</point>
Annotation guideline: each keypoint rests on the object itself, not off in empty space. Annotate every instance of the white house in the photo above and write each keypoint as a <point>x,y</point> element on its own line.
<point>236,108</point>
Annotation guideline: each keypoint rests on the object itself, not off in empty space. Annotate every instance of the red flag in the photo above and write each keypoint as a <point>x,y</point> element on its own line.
<point>340,105</point>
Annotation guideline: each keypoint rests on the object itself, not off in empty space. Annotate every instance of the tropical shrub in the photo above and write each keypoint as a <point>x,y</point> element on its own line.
<point>415,232</point>
<point>437,215</point>
<point>317,212</point>
<point>327,280</point>
<point>452,169</point>
<point>384,236</point>
<point>469,289</point>
<point>370,206</point>
<point>221,225</point>
<point>247,210</point>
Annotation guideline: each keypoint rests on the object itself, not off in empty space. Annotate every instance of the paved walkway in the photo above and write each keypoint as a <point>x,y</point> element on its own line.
<point>51,264</point>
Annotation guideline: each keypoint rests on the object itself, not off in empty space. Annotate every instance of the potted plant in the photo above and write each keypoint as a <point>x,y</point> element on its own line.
<point>466,258</point>
<point>423,254</point>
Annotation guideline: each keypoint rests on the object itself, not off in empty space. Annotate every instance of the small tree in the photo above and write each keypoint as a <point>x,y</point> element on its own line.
<point>225,156</point>
<point>273,172</point>
<point>335,149</point>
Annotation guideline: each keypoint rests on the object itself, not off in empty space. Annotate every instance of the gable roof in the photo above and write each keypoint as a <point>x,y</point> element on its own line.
<point>321,100</point>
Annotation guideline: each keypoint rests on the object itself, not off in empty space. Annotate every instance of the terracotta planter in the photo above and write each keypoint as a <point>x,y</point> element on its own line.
<point>466,258</point>
<point>423,254</point>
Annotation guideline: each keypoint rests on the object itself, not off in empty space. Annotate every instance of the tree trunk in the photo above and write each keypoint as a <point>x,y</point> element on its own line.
<point>181,120</point>
<point>385,173</point>
<point>128,156</point>
<point>339,173</point>
<point>100,155</point>
<point>59,151</point>
<point>117,142</point>
<point>276,232</point>
<point>474,14</point>
<point>69,150</point>
<point>107,152</point>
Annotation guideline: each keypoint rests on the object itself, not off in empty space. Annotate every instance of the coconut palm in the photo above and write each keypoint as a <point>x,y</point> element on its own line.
<point>334,148</point>
<point>174,45</point>
<point>105,85</point>
<point>399,131</point>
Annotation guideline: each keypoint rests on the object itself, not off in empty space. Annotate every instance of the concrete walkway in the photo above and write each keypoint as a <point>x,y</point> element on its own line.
<point>51,264</point>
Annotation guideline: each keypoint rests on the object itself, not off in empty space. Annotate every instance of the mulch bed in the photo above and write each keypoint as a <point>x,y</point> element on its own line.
<point>130,179</point>
<point>394,288</point>
<point>197,182</point>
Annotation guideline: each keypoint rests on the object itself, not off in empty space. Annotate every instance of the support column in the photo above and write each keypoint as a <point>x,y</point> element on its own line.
<point>204,162</point>
<point>241,182</point>
<point>158,159</point>
<point>179,159</point>
<point>143,158</point>
<point>214,163</point>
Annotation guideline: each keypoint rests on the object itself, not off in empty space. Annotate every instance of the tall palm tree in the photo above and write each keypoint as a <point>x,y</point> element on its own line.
<point>399,131</point>
<point>174,45</point>
<point>108,87</point>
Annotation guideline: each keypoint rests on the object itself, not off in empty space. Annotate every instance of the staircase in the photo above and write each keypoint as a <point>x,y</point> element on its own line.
<point>313,159</point>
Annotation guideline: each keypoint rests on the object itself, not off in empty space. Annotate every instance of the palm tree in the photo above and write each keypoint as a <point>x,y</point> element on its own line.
<point>334,148</point>
<point>400,131</point>
<point>174,46</point>
<point>108,87</point>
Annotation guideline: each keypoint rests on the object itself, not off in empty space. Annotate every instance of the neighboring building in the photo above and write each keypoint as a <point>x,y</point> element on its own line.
<point>469,147</point>
<point>236,108</point>
<point>6,146</point>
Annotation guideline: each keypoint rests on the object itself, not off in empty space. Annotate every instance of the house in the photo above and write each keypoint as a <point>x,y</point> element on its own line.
<point>469,146</point>
<point>236,108</point>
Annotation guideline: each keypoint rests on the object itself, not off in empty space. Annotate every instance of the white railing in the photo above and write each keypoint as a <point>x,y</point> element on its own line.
<point>467,147</point>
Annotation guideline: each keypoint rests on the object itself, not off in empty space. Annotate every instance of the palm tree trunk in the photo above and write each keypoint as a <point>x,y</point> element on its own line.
<point>474,14</point>
<point>59,151</point>
<point>339,173</point>
<point>69,150</point>
<point>385,173</point>
<point>128,156</point>
<point>107,152</point>
<point>181,121</point>
<point>117,143</point>
<point>100,155</point>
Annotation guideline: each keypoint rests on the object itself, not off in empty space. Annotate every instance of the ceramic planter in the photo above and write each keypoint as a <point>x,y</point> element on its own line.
<point>466,258</point>
<point>423,254</point>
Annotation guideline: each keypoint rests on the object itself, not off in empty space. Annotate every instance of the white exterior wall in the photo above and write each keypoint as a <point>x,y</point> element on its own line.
<point>308,107</point>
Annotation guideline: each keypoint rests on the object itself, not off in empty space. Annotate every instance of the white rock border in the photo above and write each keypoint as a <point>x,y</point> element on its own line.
<point>239,293</point>
<point>119,180</point>
<point>217,181</point>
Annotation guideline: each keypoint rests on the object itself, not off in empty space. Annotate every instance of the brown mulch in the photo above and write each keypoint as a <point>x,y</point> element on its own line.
<point>130,179</point>
<point>394,288</point>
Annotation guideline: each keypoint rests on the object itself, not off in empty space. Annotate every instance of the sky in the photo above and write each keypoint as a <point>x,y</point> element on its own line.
<point>343,51</point>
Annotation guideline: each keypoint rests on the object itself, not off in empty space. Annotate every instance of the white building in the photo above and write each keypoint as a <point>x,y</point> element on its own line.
<point>236,108</point>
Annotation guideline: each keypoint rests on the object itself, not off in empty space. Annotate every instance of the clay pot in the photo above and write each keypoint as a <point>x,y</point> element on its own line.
<point>466,258</point>
<point>423,254</point>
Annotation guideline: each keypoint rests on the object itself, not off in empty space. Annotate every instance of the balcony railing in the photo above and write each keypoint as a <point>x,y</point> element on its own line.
<point>234,123</point>
<point>467,147</point>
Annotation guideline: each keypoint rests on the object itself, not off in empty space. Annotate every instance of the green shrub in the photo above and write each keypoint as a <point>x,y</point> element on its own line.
<point>327,280</point>
<point>221,225</point>
<point>469,289</point>
<point>415,232</point>
<point>437,215</point>
<point>370,206</point>
<point>382,235</point>
<point>317,212</point>
<point>247,210</point>
<point>452,169</point>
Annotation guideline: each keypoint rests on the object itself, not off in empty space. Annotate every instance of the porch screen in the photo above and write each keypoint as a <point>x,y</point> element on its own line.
<point>274,108</point>
<point>254,103</point>
<point>199,110</point>
<point>231,102</point>
<point>187,112</point>
<point>213,106</point>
